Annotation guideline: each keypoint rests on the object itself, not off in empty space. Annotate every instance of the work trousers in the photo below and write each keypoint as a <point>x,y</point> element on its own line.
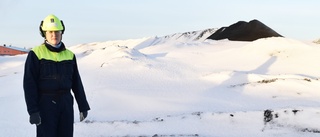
<point>56,112</point>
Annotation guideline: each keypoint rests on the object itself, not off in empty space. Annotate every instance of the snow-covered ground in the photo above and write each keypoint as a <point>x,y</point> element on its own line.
<point>165,87</point>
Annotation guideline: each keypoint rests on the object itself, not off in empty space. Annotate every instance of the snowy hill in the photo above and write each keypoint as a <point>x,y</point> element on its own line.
<point>317,41</point>
<point>199,35</point>
<point>183,85</point>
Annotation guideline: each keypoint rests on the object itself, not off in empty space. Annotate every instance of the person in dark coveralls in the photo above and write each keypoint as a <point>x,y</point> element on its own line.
<point>50,74</point>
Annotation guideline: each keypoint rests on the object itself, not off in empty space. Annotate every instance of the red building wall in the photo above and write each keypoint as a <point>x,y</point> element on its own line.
<point>8,51</point>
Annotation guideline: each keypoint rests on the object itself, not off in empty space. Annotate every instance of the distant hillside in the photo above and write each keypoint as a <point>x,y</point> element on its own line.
<point>317,41</point>
<point>199,35</point>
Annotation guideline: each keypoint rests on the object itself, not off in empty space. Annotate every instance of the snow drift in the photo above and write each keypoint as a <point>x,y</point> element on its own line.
<point>161,86</point>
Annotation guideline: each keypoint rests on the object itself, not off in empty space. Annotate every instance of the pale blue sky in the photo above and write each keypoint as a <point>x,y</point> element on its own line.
<point>104,20</point>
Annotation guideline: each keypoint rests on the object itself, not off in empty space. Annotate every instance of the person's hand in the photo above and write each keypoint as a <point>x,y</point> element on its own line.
<point>35,119</point>
<point>83,115</point>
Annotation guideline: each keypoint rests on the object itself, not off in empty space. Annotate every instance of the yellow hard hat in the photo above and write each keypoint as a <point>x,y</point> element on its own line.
<point>51,23</point>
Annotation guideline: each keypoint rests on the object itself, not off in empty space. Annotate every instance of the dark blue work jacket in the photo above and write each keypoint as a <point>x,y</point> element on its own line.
<point>50,70</point>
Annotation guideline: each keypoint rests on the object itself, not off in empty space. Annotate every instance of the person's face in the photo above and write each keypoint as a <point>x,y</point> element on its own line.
<point>53,37</point>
